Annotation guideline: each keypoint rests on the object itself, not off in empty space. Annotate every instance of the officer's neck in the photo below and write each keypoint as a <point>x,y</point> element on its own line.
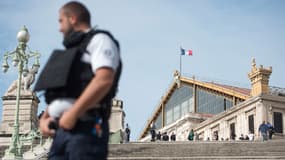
<point>82,28</point>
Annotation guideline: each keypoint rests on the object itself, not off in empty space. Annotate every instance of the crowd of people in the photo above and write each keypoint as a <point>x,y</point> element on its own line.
<point>160,136</point>
<point>266,130</point>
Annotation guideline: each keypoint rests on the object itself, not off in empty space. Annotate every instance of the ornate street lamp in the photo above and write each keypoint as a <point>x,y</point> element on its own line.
<point>20,58</point>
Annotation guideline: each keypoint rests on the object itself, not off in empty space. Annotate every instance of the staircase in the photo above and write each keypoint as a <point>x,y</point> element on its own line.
<point>274,149</point>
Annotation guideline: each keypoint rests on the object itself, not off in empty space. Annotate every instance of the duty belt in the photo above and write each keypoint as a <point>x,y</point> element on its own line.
<point>90,122</point>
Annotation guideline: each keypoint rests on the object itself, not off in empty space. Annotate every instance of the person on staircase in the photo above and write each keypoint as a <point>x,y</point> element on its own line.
<point>152,132</point>
<point>127,133</point>
<point>158,136</point>
<point>270,130</point>
<point>191,135</point>
<point>251,136</point>
<point>173,137</point>
<point>241,137</point>
<point>165,137</point>
<point>263,129</point>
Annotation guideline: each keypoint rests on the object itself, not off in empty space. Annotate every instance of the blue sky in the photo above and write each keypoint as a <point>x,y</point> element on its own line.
<point>223,34</point>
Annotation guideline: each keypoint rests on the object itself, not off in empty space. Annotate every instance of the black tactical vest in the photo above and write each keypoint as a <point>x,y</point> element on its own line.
<point>66,76</point>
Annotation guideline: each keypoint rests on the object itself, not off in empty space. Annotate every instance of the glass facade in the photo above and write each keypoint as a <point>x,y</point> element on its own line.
<point>158,121</point>
<point>180,103</point>
<point>211,103</point>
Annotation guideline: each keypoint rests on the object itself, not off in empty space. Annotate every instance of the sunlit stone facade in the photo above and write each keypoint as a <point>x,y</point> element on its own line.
<point>208,107</point>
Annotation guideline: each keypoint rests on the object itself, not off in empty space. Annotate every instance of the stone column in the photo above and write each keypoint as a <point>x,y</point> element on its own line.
<point>270,113</point>
<point>260,114</point>
<point>259,78</point>
<point>238,126</point>
<point>117,118</point>
<point>28,109</point>
<point>116,121</point>
<point>244,125</point>
<point>225,129</point>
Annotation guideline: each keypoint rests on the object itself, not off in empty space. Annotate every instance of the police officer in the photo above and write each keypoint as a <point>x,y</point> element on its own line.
<point>84,75</point>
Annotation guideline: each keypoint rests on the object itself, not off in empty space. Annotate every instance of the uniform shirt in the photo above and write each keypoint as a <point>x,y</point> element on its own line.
<point>102,52</point>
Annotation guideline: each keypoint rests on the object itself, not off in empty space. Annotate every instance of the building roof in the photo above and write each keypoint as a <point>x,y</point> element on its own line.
<point>227,90</point>
<point>244,91</point>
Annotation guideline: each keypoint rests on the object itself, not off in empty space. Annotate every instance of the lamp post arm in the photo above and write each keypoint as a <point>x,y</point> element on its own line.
<point>34,54</point>
<point>10,54</point>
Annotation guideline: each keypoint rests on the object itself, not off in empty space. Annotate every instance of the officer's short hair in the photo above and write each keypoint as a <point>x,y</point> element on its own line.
<point>79,10</point>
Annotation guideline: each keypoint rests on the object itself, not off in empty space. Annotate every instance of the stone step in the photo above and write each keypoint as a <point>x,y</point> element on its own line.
<point>274,149</point>
<point>200,158</point>
<point>198,149</point>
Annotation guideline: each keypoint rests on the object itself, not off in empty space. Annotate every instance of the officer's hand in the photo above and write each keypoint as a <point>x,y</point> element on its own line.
<point>45,130</point>
<point>68,120</point>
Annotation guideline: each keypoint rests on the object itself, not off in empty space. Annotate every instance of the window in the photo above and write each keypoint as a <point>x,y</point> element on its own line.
<point>251,124</point>
<point>169,117</point>
<point>278,122</point>
<point>233,131</point>
<point>176,112</point>
<point>208,102</point>
<point>178,104</point>
<point>158,121</point>
<point>191,104</point>
<point>184,108</point>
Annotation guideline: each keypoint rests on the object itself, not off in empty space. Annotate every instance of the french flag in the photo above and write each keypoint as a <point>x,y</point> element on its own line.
<point>186,52</point>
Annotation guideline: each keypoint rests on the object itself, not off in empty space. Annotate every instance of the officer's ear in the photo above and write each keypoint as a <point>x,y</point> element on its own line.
<point>73,19</point>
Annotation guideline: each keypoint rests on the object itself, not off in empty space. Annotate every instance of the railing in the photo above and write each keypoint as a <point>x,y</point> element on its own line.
<point>40,151</point>
<point>30,137</point>
<point>277,90</point>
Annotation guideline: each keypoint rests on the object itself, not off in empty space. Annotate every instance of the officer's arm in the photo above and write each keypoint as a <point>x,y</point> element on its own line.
<point>95,91</point>
<point>92,95</point>
<point>104,61</point>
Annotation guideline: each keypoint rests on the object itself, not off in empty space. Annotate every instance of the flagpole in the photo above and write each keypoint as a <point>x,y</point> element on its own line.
<point>180,65</point>
<point>183,52</point>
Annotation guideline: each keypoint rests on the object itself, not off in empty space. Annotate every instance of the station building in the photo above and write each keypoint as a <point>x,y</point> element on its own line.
<point>211,108</point>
